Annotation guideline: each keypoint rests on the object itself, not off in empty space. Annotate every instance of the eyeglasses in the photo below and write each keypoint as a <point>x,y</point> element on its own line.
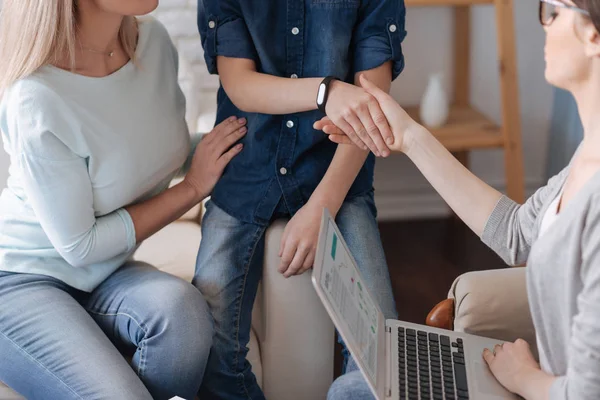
<point>549,10</point>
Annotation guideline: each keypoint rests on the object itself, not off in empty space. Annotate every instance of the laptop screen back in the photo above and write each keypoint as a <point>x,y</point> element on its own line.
<point>355,312</point>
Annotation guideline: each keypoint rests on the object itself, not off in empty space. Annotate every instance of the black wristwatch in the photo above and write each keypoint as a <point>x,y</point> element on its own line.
<point>323,93</point>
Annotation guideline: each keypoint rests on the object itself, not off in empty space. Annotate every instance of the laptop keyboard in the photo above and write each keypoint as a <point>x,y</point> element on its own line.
<point>431,366</point>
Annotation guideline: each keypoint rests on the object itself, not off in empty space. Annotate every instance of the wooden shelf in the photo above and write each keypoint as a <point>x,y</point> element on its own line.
<point>438,3</point>
<point>466,129</point>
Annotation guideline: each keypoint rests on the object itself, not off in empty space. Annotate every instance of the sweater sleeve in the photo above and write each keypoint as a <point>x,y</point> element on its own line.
<point>58,186</point>
<point>509,229</point>
<point>582,379</point>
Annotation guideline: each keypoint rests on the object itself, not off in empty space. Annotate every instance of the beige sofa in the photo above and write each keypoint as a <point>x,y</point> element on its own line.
<point>292,343</point>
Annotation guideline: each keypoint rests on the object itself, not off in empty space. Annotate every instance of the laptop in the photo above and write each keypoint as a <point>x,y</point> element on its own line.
<point>399,360</point>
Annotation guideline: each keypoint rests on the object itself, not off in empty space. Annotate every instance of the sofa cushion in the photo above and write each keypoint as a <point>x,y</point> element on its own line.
<point>8,394</point>
<point>173,249</point>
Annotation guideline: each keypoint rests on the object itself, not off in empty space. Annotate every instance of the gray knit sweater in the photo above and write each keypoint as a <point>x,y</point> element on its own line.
<point>563,280</point>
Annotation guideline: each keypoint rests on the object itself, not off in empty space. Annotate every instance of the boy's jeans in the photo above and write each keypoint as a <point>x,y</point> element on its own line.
<point>228,271</point>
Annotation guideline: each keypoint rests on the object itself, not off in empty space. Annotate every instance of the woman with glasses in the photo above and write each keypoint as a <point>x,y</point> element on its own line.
<point>557,231</point>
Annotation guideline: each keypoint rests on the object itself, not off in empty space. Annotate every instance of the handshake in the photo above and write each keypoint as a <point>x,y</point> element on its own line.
<point>366,117</point>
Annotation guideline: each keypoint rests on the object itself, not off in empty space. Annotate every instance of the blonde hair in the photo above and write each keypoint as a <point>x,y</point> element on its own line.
<point>34,33</point>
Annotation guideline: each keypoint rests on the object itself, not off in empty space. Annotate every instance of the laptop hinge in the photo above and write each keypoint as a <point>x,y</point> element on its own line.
<point>388,375</point>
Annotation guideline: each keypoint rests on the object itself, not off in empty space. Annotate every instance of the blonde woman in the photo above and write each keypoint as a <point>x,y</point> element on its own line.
<point>93,120</point>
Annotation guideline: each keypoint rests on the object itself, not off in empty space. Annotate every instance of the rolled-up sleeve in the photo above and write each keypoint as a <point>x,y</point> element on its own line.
<point>224,32</point>
<point>379,34</point>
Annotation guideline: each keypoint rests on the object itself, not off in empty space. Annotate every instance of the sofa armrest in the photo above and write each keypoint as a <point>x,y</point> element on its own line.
<point>442,315</point>
<point>295,333</point>
<point>493,304</point>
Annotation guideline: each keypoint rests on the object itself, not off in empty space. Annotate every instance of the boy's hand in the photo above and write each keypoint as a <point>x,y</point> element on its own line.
<point>358,114</point>
<point>299,241</point>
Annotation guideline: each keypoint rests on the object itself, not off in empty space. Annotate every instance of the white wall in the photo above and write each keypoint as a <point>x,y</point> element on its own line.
<point>401,192</point>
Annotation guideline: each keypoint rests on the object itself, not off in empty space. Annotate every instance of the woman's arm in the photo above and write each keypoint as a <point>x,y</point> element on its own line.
<point>504,225</point>
<point>60,193</point>
<point>471,199</point>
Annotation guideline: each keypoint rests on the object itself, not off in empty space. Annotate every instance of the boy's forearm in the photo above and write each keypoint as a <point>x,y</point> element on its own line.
<point>255,92</point>
<point>333,188</point>
<point>348,160</point>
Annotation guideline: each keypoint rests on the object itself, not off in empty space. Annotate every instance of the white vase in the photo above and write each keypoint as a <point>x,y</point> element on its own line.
<point>434,104</point>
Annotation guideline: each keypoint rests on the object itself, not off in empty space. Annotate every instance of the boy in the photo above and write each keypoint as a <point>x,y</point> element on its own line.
<point>273,59</point>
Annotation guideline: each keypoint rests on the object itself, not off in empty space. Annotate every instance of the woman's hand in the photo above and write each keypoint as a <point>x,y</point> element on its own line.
<point>515,368</point>
<point>400,122</point>
<point>213,154</point>
<point>358,115</point>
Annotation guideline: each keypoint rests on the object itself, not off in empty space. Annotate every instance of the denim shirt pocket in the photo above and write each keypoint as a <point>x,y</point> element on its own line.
<point>330,29</point>
<point>335,4</point>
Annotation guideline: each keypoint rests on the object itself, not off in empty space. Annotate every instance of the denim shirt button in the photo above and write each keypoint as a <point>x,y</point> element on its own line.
<point>212,24</point>
<point>290,124</point>
<point>283,171</point>
<point>295,31</point>
<point>294,76</point>
<point>393,28</point>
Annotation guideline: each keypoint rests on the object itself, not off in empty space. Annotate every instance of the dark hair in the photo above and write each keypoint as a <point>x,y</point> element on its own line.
<point>593,7</point>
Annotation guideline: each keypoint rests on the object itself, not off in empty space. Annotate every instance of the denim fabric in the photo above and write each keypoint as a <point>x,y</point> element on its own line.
<point>60,343</point>
<point>228,271</point>
<point>350,386</point>
<point>285,38</point>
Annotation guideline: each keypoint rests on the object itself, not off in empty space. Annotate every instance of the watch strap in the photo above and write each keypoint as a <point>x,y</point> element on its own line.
<point>327,81</point>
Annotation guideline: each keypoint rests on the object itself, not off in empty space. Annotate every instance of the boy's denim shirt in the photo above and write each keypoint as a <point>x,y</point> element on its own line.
<point>283,155</point>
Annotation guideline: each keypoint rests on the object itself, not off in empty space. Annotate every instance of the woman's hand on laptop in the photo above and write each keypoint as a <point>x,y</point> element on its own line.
<point>402,125</point>
<point>515,368</point>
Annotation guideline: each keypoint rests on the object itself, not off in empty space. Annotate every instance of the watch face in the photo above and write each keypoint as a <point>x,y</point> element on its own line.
<point>321,94</point>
